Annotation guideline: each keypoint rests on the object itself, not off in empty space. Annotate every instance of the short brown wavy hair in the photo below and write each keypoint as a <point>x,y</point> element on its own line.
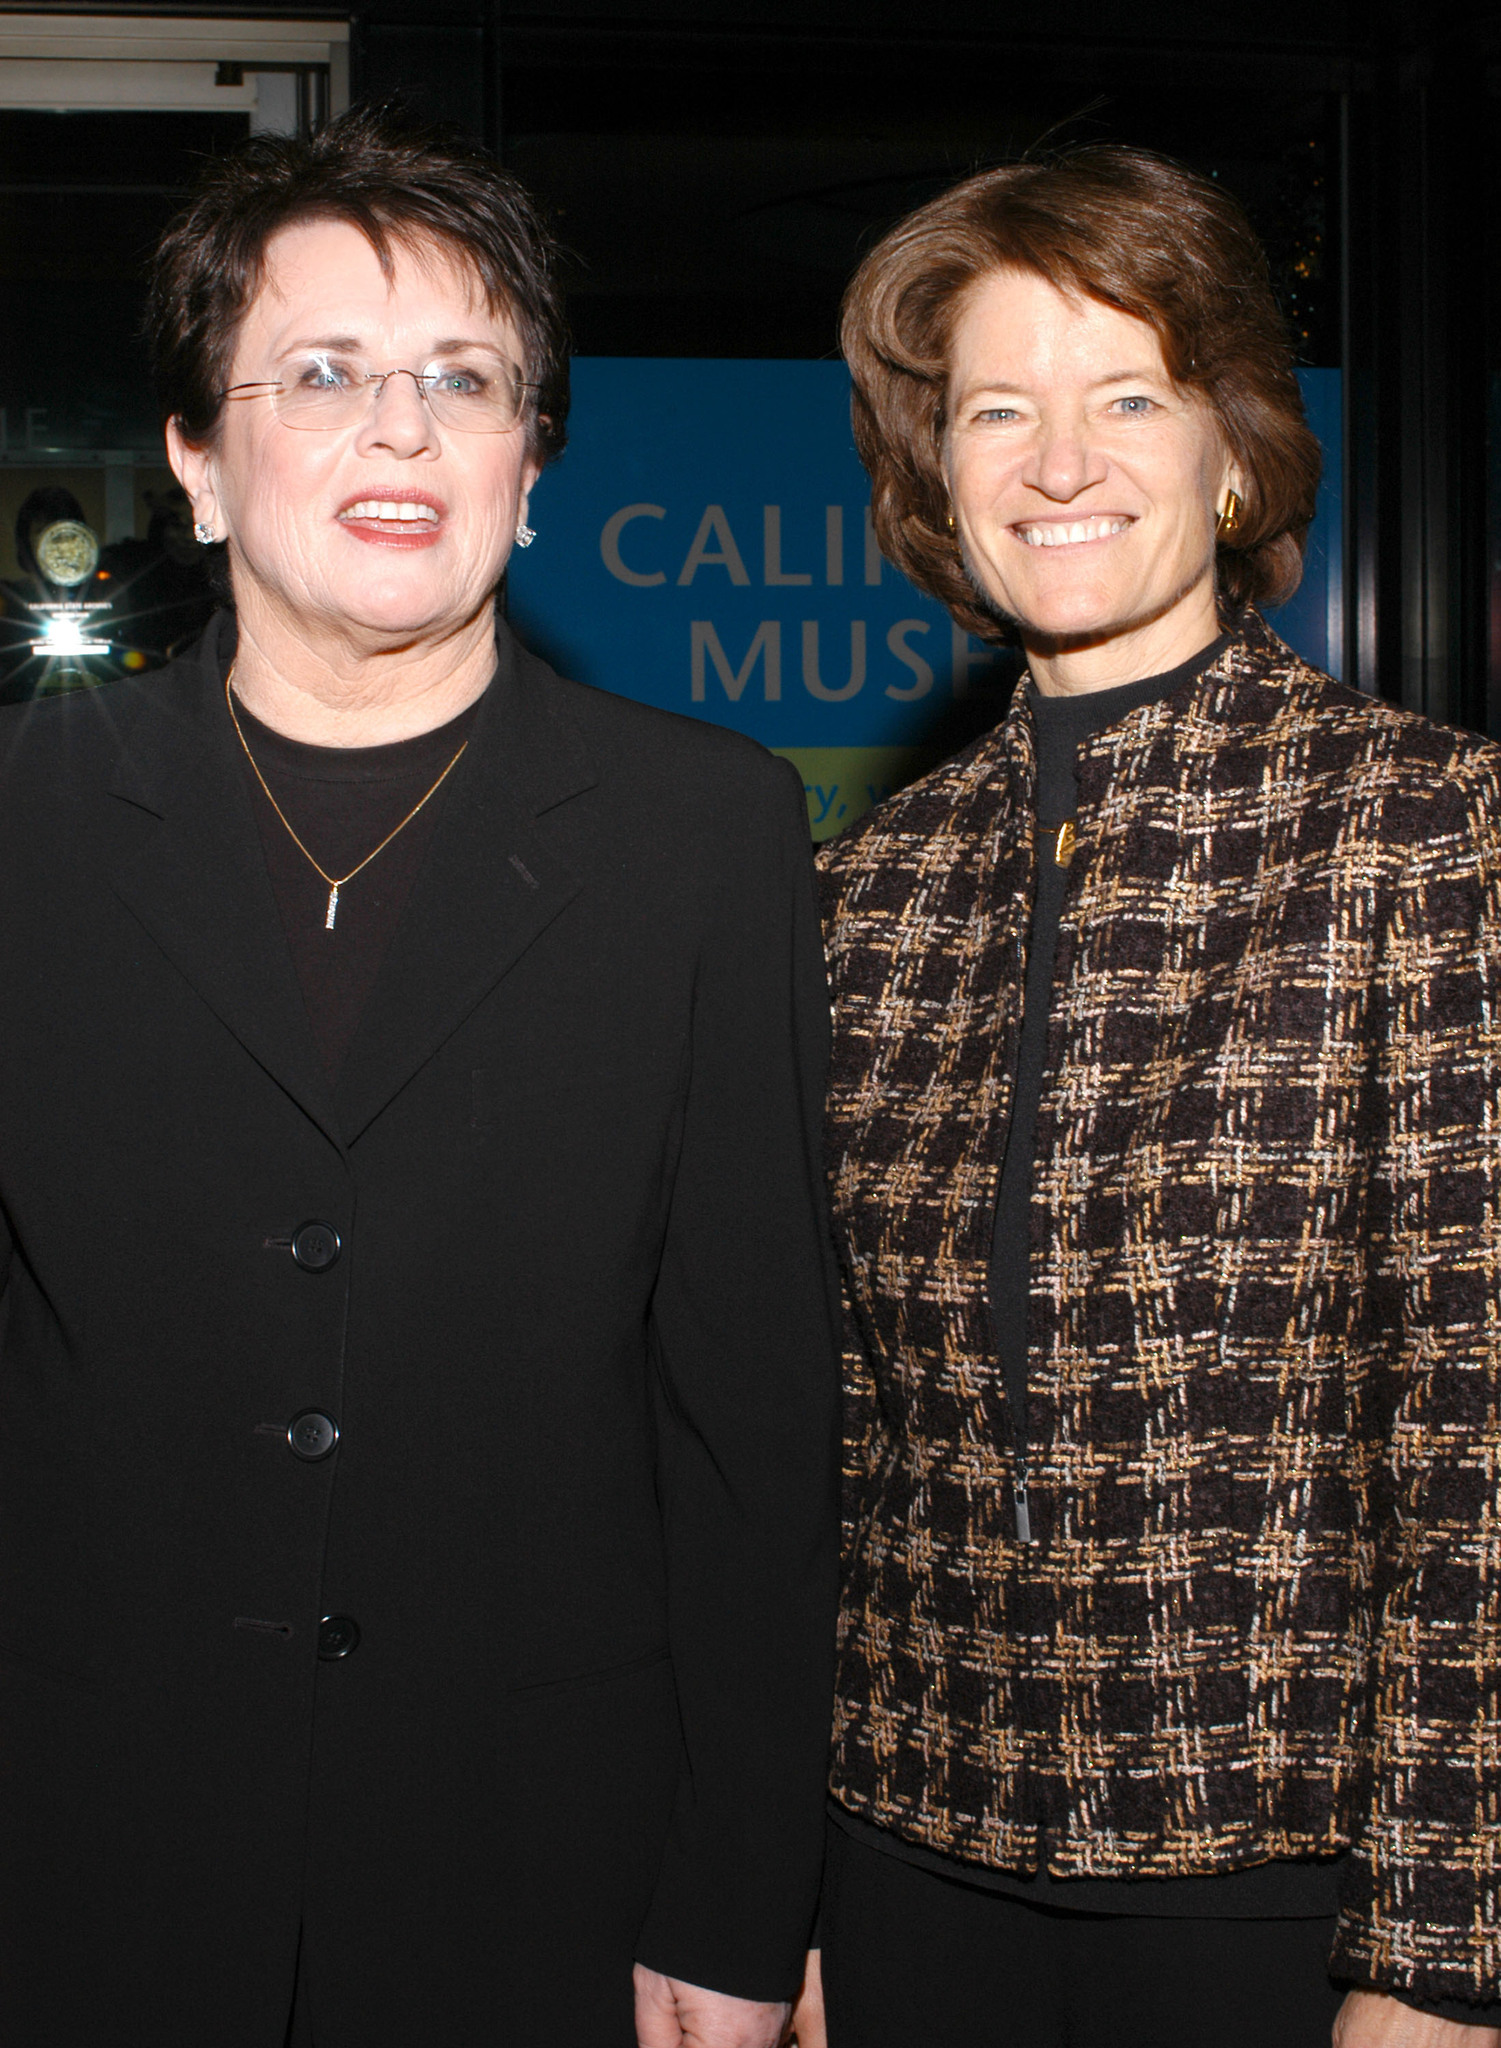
<point>400,182</point>
<point>1137,232</point>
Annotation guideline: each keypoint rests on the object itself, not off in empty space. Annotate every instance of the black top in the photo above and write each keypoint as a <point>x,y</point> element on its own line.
<point>1060,724</point>
<point>341,802</point>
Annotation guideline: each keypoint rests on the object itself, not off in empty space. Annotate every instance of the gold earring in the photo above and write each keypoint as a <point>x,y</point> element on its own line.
<point>1229,518</point>
<point>950,522</point>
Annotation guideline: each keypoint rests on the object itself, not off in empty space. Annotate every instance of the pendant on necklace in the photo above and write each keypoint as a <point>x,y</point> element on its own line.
<point>333,908</point>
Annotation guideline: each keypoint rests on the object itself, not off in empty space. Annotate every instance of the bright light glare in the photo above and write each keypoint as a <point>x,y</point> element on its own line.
<point>62,634</point>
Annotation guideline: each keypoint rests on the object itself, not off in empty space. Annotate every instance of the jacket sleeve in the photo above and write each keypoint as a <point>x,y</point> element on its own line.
<point>745,1331</point>
<point>1422,1902</point>
<point>865,1436</point>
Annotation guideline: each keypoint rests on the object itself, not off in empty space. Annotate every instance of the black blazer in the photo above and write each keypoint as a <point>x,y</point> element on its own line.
<point>578,1340</point>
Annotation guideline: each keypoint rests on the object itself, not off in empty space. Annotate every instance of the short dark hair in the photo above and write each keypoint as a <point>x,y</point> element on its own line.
<point>400,182</point>
<point>1137,232</point>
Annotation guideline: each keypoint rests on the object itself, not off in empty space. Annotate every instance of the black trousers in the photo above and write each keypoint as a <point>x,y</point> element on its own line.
<point>912,1960</point>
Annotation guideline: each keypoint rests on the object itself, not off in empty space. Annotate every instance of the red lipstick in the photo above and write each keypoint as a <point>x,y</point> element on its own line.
<point>387,516</point>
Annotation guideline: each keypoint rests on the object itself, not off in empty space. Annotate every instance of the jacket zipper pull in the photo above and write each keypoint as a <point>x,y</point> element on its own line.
<point>1023,1513</point>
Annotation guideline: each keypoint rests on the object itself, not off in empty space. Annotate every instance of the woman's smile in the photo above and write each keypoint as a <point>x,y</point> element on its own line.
<point>394,517</point>
<point>1069,533</point>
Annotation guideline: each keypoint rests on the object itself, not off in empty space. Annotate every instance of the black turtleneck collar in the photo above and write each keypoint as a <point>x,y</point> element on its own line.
<point>1061,723</point>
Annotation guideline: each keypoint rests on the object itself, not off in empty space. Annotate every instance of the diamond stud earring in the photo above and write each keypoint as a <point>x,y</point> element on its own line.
<point>203,533</point>
<point>525,535</point>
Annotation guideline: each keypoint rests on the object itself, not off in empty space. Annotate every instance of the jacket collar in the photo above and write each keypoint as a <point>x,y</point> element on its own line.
<point>190,868</point>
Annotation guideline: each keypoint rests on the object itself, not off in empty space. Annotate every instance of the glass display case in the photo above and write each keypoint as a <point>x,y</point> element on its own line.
<point>103,122</point>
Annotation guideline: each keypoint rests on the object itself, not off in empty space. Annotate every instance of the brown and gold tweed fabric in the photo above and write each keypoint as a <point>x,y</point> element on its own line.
<point>1263,1616</point>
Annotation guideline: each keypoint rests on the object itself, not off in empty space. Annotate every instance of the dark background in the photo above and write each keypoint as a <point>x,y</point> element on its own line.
<point>716,170</point>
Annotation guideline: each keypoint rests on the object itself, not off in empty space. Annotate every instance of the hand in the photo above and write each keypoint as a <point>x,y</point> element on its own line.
<point>674,2015</point>
<point>807,2014</point>
<point>1369,2019</point>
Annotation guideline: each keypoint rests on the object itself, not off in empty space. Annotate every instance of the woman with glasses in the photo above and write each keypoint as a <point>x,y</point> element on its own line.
<point>1165,1135</point>
<point>417,1359</point>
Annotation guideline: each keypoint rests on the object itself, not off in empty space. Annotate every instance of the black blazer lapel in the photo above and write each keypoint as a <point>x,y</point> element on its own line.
<point>188,865</point>
<point>492,883</point>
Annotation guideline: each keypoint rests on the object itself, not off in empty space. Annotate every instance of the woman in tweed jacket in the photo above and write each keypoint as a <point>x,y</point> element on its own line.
<point>1166,1158</point>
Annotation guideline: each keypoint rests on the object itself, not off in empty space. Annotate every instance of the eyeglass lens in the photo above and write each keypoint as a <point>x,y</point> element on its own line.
<point>471,392</point>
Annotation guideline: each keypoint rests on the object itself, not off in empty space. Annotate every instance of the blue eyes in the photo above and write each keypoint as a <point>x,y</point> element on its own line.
<point>1134,406</point>
<point>324,374</point>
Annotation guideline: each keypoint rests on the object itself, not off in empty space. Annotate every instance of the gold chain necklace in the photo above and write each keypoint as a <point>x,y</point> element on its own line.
<point>335,882</point>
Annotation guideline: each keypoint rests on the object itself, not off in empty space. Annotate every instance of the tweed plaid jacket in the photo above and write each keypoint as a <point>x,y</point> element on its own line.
<point>1262,1616</point>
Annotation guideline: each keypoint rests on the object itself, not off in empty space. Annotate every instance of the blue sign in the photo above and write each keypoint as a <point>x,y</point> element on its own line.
<point>1313,621</point>
<point>705,545</point>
